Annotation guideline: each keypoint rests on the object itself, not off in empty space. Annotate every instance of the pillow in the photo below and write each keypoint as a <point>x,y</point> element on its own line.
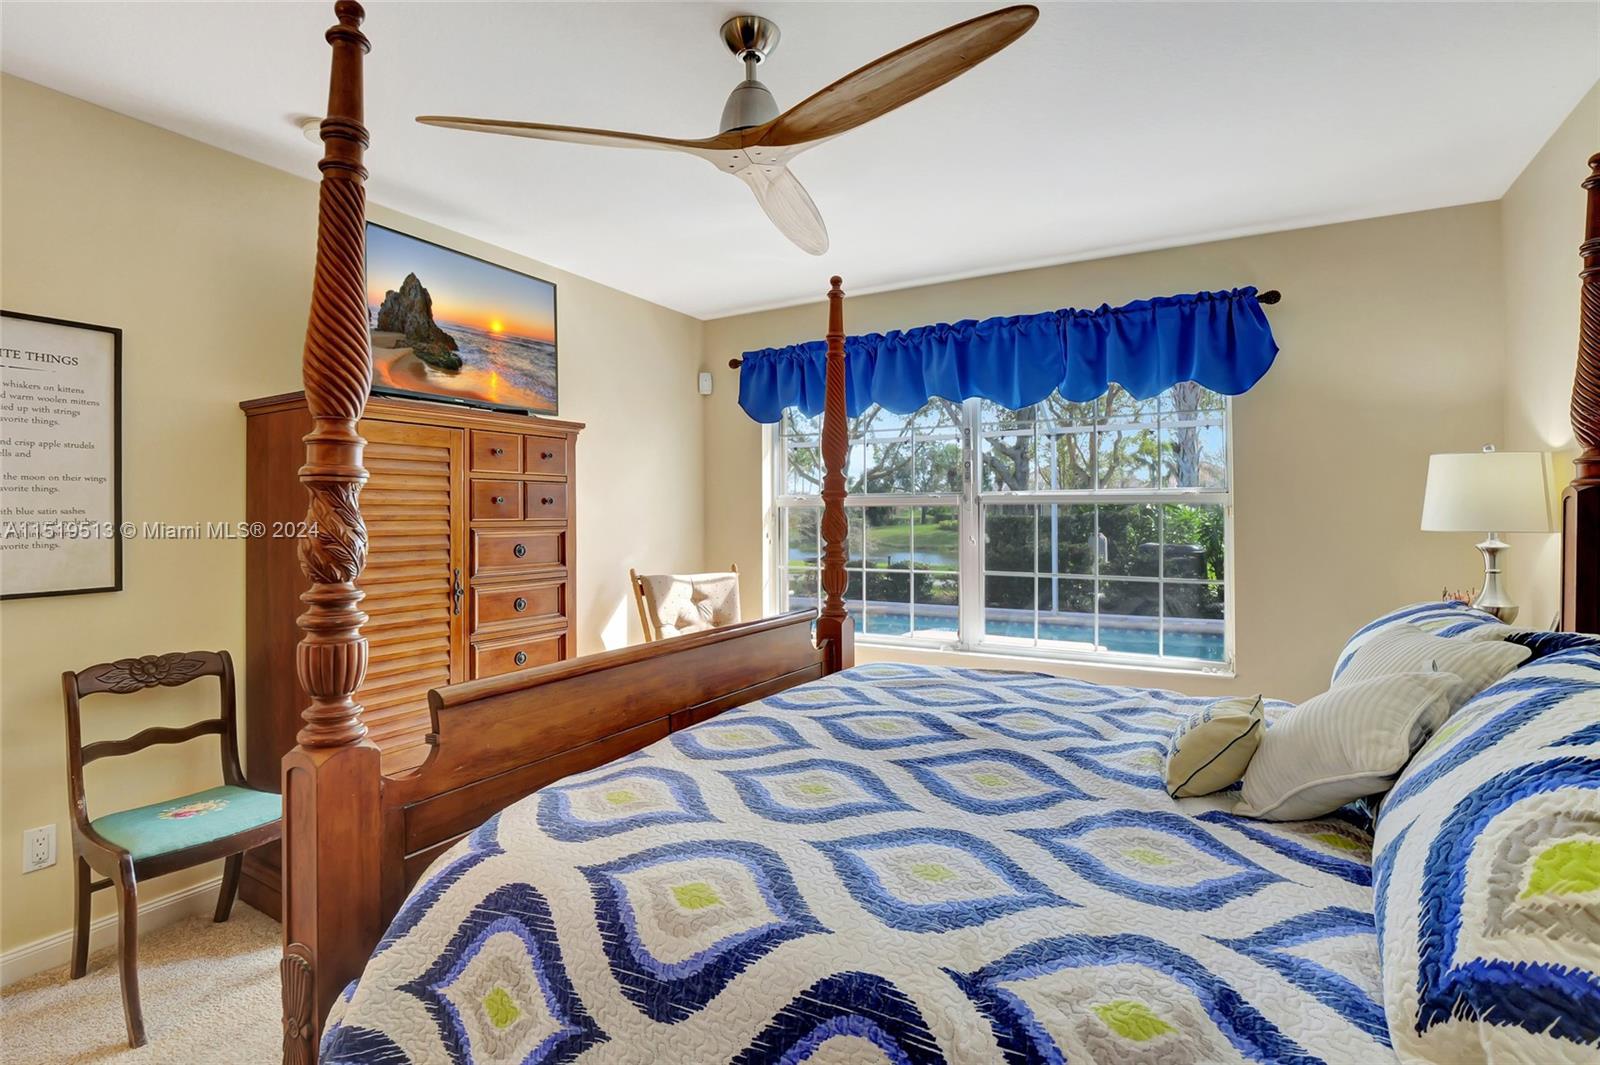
<point>1486,902</point>
<point>1407,649</point>
<point>1211,747</point>
<point>1343,744</point>
<point>1443,618</point>
<point>1540,644</point>
<point>681,603</point>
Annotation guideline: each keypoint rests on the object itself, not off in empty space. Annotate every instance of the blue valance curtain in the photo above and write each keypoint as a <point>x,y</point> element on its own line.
<point>1220,340</point>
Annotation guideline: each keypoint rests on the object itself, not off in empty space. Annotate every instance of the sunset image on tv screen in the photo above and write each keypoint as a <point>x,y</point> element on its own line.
<point>448,326</point>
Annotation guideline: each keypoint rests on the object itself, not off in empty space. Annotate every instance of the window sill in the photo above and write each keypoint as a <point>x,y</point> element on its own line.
<point>1030,658</point>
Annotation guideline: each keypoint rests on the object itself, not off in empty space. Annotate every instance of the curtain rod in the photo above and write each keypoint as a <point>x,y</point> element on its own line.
<point>1269,297</point>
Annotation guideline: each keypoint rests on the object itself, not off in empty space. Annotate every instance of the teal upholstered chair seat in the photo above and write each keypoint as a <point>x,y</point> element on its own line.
<point>179,824</point>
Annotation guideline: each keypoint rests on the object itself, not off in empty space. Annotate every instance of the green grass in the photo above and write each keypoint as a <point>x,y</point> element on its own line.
<point>896,539</point>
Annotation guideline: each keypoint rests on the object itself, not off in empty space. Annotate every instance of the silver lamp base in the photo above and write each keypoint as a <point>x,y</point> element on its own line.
<point>1493,599</point>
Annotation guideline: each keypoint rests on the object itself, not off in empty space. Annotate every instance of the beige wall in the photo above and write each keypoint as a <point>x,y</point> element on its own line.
<point>1541,223</point>
<point>203,259</point>
<point>1391,337</point>
<point>1394,346</point>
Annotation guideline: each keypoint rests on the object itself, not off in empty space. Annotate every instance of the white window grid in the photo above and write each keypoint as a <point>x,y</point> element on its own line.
<point>973,502</point>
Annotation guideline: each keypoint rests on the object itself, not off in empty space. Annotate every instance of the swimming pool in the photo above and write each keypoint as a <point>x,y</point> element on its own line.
<point>1201,639</point>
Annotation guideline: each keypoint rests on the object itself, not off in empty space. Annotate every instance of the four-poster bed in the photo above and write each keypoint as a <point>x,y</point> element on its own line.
<point>356,841</point>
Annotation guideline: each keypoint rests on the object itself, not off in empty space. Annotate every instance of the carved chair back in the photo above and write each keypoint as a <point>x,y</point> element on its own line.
<point>128,675</point>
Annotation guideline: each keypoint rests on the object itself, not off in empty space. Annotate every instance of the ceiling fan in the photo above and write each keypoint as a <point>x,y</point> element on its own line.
<point>757,143</point>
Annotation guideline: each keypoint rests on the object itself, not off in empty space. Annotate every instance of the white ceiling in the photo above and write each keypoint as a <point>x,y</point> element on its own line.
<point>1108,128</point>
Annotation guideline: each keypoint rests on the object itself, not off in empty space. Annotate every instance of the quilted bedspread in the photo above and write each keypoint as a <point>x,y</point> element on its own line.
<point>893,864</point>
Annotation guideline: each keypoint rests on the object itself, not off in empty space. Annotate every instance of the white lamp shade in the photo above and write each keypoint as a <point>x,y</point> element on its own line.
<point>1487,491</point>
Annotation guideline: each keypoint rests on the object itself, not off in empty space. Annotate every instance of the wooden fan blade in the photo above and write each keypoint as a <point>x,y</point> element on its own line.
<point>898,78</point>
<point>580,135</point>
<point>789,206</point>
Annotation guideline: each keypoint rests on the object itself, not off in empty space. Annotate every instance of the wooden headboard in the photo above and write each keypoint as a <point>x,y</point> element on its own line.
<point>1580,503</point>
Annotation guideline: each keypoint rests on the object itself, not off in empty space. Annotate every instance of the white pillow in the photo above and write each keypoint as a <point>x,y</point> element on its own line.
<point>1408,649</point>
<point>1343,744</point>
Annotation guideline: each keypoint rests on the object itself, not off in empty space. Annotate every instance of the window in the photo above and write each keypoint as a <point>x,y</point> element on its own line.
<point>1096,529</point>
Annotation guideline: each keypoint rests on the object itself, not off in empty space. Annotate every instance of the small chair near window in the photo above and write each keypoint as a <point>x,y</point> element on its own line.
<point>674,604</point>
<point>134,845</point>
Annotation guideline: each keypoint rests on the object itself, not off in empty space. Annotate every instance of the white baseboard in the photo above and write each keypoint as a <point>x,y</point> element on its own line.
<point>54,951</point>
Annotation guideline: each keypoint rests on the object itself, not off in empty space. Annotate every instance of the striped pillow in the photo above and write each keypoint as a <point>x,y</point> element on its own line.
<point>1407,649</point>
<point>1445,618</point>
<point>1343,744</point>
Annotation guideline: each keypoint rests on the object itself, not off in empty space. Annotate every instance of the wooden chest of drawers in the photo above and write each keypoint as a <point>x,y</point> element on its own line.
<point>470,569</point>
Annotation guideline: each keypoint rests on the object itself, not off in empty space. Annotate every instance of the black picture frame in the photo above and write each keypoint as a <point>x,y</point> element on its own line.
<point>481,404</point>
<point>116,539</point>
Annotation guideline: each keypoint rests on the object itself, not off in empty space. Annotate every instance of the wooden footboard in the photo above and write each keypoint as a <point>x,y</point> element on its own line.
<point>499,739</point>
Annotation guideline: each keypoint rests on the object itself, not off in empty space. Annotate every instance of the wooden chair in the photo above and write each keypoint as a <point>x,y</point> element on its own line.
<point>673,604</point>
<point>133,845</point>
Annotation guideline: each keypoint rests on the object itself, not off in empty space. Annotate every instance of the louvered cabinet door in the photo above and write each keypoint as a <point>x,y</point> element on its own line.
<point>415,512</point>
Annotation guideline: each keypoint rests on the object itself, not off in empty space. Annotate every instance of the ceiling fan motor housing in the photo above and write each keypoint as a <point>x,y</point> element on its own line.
<point>749,104</point>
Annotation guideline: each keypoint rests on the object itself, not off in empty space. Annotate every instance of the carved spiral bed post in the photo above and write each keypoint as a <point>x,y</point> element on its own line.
<point>1580,503</point>
<point>835,630</point>
<point>332,780</point>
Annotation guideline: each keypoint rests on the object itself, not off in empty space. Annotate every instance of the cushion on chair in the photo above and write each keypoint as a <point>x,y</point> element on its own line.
<point>681,603</point>
<point>177,824</point>
<point>1486,875</point>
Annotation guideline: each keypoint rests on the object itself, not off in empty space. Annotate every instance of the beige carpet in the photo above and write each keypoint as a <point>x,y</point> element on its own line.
<point>210,994</point>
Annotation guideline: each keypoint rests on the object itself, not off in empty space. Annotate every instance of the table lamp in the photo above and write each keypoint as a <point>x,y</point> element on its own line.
<point>1480,491</point>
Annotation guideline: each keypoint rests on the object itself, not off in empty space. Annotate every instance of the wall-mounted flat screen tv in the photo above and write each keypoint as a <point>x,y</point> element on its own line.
<point>449,326</point>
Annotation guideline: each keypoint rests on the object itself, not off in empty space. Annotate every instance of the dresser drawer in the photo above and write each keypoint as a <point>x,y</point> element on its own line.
<point>509,606</point>
<point>490,658</point>
<point>545,454</point>
<point>496,499</point>
<point>508,552</point>
<point>496,452</point>
<point>547,501</point>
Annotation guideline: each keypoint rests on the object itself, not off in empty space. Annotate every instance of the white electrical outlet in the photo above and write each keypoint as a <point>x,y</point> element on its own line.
<point>38,848</point>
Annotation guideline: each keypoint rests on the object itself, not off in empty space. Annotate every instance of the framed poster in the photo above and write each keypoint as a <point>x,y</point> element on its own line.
<point>60,457</point>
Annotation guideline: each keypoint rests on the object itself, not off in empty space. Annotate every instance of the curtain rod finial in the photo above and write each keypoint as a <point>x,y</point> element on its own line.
<point>1269,297</point>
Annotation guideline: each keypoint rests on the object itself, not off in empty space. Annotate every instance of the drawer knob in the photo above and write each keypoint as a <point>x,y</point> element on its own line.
<point>497,451</point>
<point>498,500</point>
<point>547,500</point>
<point>522,658</point>
<point>547,455</point>
<point>520,605</point>
<point>520,550</point>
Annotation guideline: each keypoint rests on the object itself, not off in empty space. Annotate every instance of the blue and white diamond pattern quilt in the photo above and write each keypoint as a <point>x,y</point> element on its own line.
<point>896,864</point>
